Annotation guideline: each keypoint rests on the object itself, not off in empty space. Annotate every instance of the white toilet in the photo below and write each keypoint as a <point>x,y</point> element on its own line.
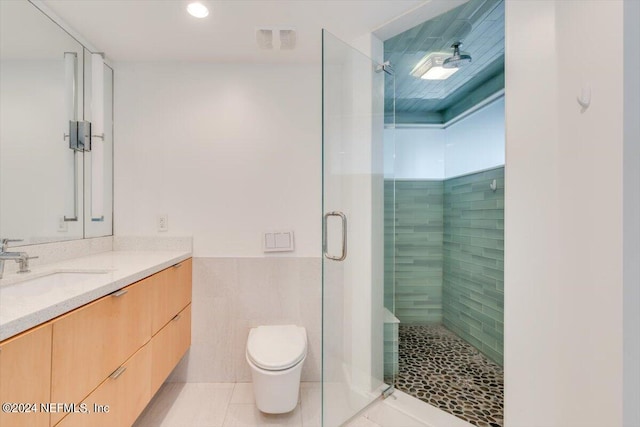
<point>275,355</point>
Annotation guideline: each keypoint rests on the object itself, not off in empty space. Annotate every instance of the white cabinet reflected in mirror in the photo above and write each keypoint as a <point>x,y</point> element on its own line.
<point>45,186</point>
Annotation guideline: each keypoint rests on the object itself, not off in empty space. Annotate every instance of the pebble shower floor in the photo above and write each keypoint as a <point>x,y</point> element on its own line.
<point>439,368</point>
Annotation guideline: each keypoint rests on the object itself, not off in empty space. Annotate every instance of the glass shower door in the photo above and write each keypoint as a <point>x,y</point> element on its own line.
<point>353,232</point>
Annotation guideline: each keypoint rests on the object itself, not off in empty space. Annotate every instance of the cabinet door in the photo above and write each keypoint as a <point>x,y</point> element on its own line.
<point>119,400</point>
<point>172,293</point>
<point>168,346</point>
<point>92,341</point>
<point>25,373</point>
<point>180,277</point>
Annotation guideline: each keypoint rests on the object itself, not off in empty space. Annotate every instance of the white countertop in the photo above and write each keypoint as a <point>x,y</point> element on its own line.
<point>25,305</point>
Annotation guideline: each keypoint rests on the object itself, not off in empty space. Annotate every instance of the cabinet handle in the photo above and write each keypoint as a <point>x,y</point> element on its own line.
<point>117,372</point>
<point>176,317</point>
<point>119,293</point>
<point>177,265</point>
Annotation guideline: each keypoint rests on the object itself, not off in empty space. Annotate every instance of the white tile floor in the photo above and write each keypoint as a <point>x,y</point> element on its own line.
<point>232,405</point>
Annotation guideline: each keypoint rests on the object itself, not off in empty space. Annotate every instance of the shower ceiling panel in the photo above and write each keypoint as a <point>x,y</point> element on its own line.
<point>479,24</point>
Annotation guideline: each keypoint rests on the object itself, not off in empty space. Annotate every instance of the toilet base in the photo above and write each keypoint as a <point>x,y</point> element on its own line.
<point>276,392</point>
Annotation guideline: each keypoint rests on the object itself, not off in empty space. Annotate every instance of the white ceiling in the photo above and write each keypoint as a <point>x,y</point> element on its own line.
<point>26,33</point>
<point>161,30</point>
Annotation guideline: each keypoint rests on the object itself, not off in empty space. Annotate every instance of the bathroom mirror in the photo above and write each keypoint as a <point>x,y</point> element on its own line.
<point>43,183</point>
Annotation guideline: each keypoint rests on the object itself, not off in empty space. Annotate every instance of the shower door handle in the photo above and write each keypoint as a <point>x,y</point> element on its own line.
<point>343,252</point>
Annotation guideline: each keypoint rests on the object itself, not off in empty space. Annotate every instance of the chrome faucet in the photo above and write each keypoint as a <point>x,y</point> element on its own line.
<point>22,258</point>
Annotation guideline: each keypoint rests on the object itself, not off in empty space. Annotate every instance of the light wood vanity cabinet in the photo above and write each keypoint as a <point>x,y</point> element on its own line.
<point>114,351</point>
<point>126,391</point>
<point>171,294</point>
<point>92,342</point>
<point>168,346</point>
<point>25,375</point>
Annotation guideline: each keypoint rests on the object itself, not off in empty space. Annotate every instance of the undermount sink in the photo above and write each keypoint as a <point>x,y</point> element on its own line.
<point>52,281</point>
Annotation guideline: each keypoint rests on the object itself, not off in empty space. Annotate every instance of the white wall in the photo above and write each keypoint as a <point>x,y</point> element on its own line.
<point>226,151</point>
<point>563,215</point>
<point>476,142</point>
<point>419,153</point>
<point>472,144</point>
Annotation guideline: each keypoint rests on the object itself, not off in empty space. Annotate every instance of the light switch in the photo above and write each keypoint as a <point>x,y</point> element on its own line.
<point>283,240</point>
<point>269,241</point>
<point>278,241</point>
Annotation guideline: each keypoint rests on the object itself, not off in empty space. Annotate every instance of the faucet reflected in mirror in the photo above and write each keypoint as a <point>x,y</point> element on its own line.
<point>22,258</point>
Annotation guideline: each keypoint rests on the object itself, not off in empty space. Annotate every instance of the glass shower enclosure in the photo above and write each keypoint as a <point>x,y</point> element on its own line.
<point>353,313</point>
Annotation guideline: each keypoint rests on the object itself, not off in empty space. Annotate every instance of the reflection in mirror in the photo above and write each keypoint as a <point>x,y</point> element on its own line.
<point>46,187</point>
<point>39,94</point>
<point>98,163</point>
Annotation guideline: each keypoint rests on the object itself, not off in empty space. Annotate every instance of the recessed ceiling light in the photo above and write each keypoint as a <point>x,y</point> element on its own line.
<point>198,10</point>
<point>431,67</point>
<point>438,73</point>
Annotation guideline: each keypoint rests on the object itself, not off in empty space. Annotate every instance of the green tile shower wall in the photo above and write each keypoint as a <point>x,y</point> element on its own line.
<point>473,276</point>
<point>418,249</point>
<point>389,245</point>
<point>391,344</point>
<point>449,256</point>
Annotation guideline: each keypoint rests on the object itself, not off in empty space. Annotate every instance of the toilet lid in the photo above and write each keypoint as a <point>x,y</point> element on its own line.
<point>277,347</point>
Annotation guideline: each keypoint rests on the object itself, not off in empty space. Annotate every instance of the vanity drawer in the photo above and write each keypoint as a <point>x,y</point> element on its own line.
<point>126,392</point>
<point>91,342</point>
<point>25,372</point>
<point>171,293</point>
<point>168,346</point>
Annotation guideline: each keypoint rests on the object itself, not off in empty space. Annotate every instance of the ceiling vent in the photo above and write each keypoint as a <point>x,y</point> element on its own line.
<point>276,38</point>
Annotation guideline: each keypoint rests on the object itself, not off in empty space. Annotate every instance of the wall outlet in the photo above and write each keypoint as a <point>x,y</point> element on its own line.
<point>63,226</point>
<point>163,222</point>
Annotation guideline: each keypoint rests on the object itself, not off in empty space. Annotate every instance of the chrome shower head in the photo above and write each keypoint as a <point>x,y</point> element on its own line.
<point>457,59</point>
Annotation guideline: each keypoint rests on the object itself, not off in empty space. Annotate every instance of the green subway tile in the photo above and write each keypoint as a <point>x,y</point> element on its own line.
<point>486,243</point>
<point>465,317</point>
<point>448,252</point>
<point>497,254</point>
<point>475,214</point>
<point>472,340</point>
<point>495,333</point>
<point>474,251</point>
<point>493,272</point>
<point>458,204</point>
<point>475,305</point>
<point>483,223</point>
<point>494,234</point>
<point>495,314</point>
<point>483,261</point>
<point>496,356</point>
<point>461,188</point>
<point>484,204</point>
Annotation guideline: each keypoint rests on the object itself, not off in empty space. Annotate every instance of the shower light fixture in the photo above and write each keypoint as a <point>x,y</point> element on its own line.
<point>430,67</point>
<point>198,10</point>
